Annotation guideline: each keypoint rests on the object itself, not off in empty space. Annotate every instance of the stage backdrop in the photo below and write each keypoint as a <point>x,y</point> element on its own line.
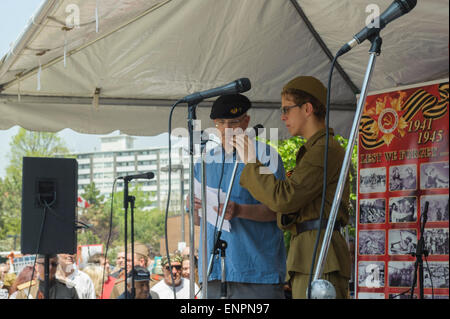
<point>403,162</point>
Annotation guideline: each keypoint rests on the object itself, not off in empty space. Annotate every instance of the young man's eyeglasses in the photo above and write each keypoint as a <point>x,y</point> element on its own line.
<point>177,267</point>
<point>285,109</point>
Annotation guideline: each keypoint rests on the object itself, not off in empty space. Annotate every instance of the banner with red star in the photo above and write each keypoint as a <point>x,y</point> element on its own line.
<point>403,173</point>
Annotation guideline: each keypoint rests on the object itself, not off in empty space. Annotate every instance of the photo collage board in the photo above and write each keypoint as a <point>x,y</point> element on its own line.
<point>403,176</point>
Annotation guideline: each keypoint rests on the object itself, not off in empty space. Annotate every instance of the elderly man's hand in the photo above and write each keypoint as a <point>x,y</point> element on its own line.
<point>197,203</point>
<point>231,211</point>
<point>245,148</point>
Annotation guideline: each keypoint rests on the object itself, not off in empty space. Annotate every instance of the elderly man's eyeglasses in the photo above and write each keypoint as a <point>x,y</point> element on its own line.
<point>231,123</point>
<point>177,267</point>
<point>285,109</point>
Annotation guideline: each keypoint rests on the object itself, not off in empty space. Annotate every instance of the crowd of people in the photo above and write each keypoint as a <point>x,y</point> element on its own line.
<point>264,201</point>
<point>98,279</point>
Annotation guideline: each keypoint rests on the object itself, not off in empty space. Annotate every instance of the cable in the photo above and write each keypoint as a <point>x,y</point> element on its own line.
<point>431,278</point>
<point>37,252</point>
<point>325,168</point>
<point>218,208</point>
<point>109,234</point>
<point>168,197</point>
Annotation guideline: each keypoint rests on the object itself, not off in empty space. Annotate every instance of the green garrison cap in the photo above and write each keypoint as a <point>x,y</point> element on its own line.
<point>310,85</point>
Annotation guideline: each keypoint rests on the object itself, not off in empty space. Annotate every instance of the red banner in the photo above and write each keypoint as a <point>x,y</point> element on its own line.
<point>403,167</point>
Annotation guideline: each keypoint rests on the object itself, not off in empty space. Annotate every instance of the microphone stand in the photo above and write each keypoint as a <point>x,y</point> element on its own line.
<point>220,244</point>
<point>204,223</point>
<point>375,50</point>
<point>46,277</point>
<point>420,250</point>
<point>192,116</point>
<point>126,200</point>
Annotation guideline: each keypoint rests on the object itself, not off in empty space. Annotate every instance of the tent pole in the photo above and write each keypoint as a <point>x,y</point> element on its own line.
<point>324,47</point>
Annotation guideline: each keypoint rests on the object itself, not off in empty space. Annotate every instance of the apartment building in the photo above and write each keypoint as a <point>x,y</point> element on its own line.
<point>118,157</point>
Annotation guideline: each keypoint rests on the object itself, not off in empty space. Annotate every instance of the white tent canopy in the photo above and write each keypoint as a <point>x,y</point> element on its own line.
<point>147,54</point>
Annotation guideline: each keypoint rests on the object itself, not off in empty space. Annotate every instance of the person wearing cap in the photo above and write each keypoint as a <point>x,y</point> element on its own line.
<point>255,262</point>
<point>140,259</point>
<point>58,288</point>
<point>165,288</point>
<point>297,200</point>
<point>141,284</point>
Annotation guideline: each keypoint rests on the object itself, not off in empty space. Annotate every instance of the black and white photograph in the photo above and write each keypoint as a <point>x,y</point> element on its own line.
<point>372,211</point>
<point>405,295</point>
<point>372,180</point>
<point>402,209</point>
<point>402,241</point>
<point>434,175</point>
<point>436,241</point>
<point>400,273</point>
<point>371,242</point>
<point>439,271</point>
<point>370,295</point>
<point>435,296</point>
<point>437,207</point>
<point>403,177</point>
<point>371,274</point>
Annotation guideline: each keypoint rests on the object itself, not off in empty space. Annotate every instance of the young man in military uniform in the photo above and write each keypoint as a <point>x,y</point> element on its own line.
<point>297,200</point>
<point>255,262</point>
<point>58,289</point>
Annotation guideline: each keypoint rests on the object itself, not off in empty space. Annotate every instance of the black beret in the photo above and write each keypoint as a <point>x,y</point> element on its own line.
<point>230,106</point>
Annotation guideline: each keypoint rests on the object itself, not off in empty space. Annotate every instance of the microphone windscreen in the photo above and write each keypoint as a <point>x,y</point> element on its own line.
<point>244,85</point>
<point>407,5</point>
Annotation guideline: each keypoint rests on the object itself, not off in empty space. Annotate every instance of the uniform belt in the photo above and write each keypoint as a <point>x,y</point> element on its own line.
<point>314,224</point>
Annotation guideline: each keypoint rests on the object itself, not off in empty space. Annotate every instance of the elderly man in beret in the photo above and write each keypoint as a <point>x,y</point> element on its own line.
<point>166,288</point>
<point>297,200</point>
<point>255,262</point>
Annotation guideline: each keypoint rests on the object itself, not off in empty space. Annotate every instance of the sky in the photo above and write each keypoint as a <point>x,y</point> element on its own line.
<point>14,17</point>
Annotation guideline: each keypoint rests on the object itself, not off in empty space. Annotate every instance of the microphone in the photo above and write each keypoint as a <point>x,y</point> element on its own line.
<point>238,86</point>
<point>395,10</point>
<point>148,175</point>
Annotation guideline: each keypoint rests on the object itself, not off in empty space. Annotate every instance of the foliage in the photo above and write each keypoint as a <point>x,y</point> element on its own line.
<point>288,151</point>
<point>148,225</point>
<point>10,207</point>
<point>33,144</point>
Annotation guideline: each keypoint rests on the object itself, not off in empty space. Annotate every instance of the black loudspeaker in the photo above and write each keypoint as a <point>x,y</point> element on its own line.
<point>49,189</point>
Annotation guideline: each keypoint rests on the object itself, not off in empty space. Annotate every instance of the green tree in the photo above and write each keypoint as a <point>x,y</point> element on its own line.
<point>148,225</point>
<point>10,208</point>
<point>92,195</point>
<point>33,144</point>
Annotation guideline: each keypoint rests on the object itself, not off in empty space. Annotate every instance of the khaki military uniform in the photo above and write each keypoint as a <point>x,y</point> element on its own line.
<point>298,199</point>
<point>118,289</point>
<point>57,290</point>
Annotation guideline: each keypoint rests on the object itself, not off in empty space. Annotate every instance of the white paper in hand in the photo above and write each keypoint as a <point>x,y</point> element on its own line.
<point>211,202</point>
